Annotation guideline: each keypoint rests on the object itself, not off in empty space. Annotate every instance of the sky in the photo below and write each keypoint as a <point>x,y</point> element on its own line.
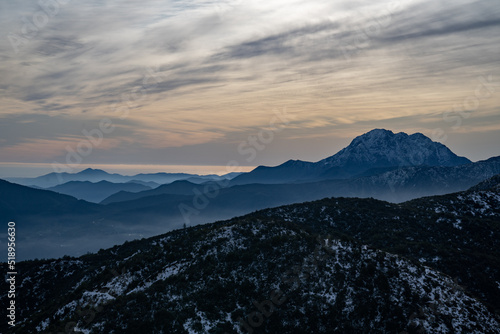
<point>245,83</point>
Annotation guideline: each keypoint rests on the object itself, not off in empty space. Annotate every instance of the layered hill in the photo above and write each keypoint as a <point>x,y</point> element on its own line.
<point>49,224</point>
<point>182,187</point>
<point>96,191</point>
<point>75,227</point>
<point>20,202</point>
<point>339,264</point>
<point>394,185</point>
<point>96,175</point>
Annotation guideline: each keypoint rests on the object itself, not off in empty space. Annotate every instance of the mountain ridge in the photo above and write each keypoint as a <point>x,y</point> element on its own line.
<point>96,191</point>
<point>145,216</point>
<point>96,175</point>
<point>340,264</point>
<point>400,149</point>
<point>378,148</point>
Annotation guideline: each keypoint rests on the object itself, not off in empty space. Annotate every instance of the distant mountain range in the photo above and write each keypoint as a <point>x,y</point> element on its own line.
<point>347,265</point>
<point>96,192</point>
<point>379,164</point>
<point>97,175</point>
<point>183,187</point>
<point>395,185</point>
<point>369,154</point>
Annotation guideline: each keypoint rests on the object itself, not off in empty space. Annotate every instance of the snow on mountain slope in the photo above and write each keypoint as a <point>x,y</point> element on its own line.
<point>383,148</point>
<point>303,267</point>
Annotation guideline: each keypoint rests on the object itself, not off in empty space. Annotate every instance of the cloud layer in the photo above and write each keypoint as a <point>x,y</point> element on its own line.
<point>185,82</point>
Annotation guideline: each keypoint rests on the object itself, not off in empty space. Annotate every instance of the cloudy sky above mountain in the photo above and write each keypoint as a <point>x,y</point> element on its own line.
<point>187,82</point>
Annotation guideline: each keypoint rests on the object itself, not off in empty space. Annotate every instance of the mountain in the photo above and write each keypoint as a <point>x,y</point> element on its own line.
<point>149,184</point>
<point>183,187</point>
<point>163,178</point>
<point>288,172</point>
<point>97,175</point>
<point>336,265</point>
<point>402,184</point>
<point>193,204</point>
<point>368,154</point>
<point>54,179</point>
<point>394,185</point>
<point>20,201</point>
<point>382,148</point>
<point>49,224</point>
<point>96,192</point>
<point>491,183</point>
<point>127,216</point>
<point>377,149</point>
<point>454,233</point>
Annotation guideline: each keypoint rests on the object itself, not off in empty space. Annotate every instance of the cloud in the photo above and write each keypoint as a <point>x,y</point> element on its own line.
<point>225,65</point>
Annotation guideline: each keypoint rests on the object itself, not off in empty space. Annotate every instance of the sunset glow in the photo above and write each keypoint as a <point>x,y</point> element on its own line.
<point>185,83</point>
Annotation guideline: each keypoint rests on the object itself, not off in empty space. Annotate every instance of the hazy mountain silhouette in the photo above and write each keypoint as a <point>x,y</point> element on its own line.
<point>54,179</point>
<point>149,184</point>
<point>96,192</point>
<point>397,185</point>
<point>97,175</point>
<point>18,201</point>
<point>182,187</point>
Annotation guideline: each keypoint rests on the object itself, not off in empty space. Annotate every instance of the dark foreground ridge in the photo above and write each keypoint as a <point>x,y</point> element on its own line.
<point>335,265</point>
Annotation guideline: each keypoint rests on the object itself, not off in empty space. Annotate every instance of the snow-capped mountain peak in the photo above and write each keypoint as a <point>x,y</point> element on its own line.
<point>383,148</point>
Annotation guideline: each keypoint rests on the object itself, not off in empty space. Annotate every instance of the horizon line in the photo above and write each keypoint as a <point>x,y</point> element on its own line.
<point>35,169</point>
